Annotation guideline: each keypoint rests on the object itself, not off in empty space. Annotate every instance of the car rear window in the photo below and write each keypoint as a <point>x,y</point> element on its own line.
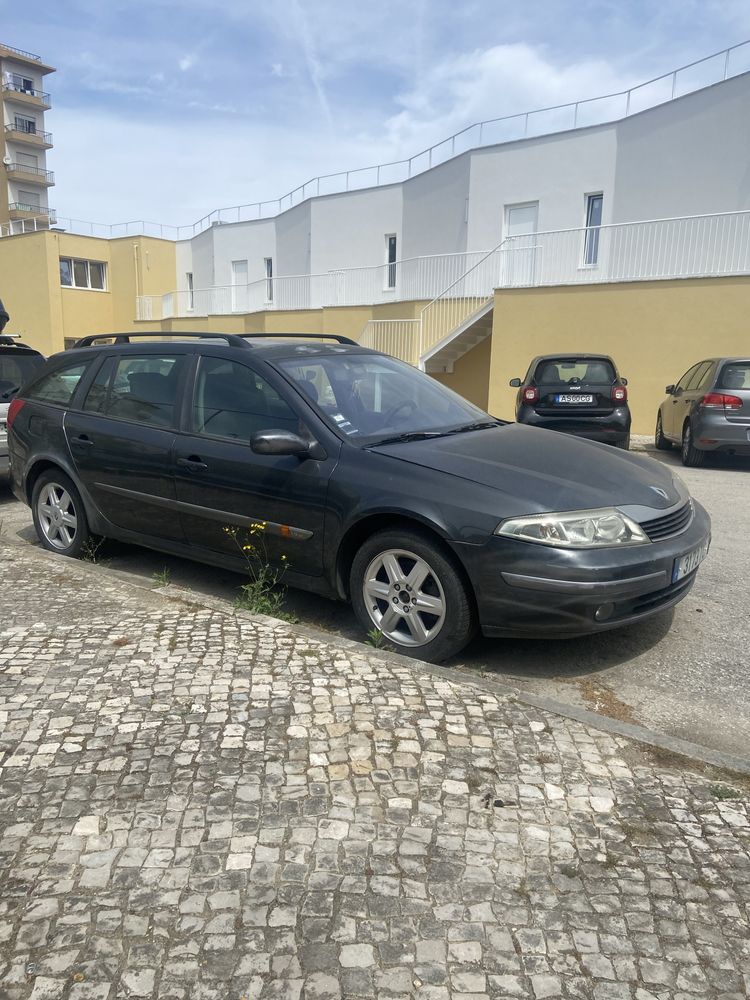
<point>735,375</point>
<point>587,371</point>
<point>15,370</point>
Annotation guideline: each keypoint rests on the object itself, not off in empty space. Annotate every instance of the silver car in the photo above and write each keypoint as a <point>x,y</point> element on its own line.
<point>707,410</point>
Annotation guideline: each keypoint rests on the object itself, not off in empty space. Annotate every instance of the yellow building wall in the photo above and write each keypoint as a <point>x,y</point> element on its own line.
<point>470,375</point>
<point>654,330</point>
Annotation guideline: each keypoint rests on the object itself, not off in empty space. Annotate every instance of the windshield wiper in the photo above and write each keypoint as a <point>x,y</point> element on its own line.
<point>479,425</point>
<point>407,436</point>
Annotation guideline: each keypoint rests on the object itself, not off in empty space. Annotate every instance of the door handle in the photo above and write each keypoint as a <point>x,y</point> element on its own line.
<point>194,464</point>
<point>83,439</point>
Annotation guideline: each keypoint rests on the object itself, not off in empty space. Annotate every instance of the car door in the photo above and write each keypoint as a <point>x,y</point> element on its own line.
<point>122,441</point>
<point>673,412</point>
<point>224,487</point>
<point>689,395</point>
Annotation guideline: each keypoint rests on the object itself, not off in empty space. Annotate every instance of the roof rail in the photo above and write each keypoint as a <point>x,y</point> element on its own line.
<point>233,339</point>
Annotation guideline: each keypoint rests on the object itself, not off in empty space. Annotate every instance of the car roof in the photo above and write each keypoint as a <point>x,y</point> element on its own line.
<point>583,355</point>
<point>16,348</point>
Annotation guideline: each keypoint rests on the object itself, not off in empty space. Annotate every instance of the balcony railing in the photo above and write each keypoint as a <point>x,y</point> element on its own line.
<point>20,52</point>
<point>37,210</point>
<point>40,172</point>
<point>29,92</point>
<point>692,246</point>
<point>20,132</point>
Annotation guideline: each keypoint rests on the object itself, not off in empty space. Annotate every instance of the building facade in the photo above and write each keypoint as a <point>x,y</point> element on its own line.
<point>24,178</point>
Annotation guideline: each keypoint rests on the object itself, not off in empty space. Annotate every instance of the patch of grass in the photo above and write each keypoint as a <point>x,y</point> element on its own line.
<point>602,700</point>
<point>724,793</point>
<point>162,577</point>
<point>377,640</point>
<point>263,594</point>
<point>90,551</point>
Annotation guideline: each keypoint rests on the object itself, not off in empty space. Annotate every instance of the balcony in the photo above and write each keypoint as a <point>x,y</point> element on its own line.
<point>18,210</point>
<point>21,173</point>
<point>20,133</point>
<point>25,95</point>
<point>21,55</point>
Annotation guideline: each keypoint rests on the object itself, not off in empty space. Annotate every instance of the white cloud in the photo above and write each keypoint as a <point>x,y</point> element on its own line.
<point>186,62</point>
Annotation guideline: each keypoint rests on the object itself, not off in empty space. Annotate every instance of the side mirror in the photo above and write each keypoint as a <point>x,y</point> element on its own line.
<point>282,442</point>
<point>624,381</point>
<point>670,390</point>
<point>515,383</point>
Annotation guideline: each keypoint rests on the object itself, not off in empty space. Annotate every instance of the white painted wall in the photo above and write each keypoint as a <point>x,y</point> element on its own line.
<point>348,230</point>
<point>293,231</point>
<point>250,241</point>
<point>183,264</point>
<point>435,210</point>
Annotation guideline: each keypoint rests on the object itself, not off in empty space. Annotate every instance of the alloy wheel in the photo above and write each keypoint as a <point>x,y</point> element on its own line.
<point>404,597</point>
<point>57,516</point>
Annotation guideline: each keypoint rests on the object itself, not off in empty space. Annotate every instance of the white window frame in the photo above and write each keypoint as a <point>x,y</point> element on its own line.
<point>390,271</point>
<point>268,271</point>
<point>190,291</point>
<point>591,234</point>
<point>88,287</point>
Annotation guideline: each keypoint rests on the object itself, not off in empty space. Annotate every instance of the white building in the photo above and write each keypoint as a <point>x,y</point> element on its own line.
<point>24,178</point>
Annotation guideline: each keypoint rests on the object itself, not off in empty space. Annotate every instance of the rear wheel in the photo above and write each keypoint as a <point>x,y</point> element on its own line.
<point>662,443</point>
<point>59,517</point>
<point>691,455</point>
<point>404,585</point>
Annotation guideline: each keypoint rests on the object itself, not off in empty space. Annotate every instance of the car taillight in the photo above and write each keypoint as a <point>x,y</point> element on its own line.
<point>14,409</point>
<point>530,394</point>
<point>619,394</point>
<point>720,401</point>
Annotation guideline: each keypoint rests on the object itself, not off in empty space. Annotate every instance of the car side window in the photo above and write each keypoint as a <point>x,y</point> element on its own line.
<point>234,401</point>
<point>58,386</point>
<point>702,377</point>
<point>683,383</point>
<point>141,388</point>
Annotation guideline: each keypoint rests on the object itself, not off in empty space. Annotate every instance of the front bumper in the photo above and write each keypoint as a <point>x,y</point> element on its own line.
<point>610,428</point>
<point>525,589</point>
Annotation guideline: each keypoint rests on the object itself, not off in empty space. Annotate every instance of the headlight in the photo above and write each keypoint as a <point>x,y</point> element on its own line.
<point>575,529</point>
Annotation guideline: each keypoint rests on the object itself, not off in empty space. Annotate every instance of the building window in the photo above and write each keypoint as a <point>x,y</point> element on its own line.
<point>29,201</point>
<point>390,256</point>
<point>76,273</point>
<point>268,264</point>
<point>190,295</point>
<point>593,227</point>
<point>25,124</point>
<point>27,160</point>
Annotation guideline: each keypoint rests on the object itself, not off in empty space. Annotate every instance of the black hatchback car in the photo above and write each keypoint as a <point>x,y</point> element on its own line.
<point>374,483</point>
<point>580,394</point>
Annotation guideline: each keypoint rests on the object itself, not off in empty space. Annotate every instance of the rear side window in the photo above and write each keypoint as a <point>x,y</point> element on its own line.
<point>138,388</point>
<point>575,370</point>
<point>58,386</point>
<point>15,370</point>
<point>735,375</point>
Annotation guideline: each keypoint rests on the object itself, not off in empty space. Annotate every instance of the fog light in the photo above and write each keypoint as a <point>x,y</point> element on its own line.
<point>603,612</point>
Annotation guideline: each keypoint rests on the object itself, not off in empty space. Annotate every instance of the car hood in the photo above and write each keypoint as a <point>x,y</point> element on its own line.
<point>546,470</point>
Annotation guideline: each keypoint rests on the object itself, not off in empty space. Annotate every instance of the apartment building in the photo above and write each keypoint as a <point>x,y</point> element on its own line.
<point>24,178</point>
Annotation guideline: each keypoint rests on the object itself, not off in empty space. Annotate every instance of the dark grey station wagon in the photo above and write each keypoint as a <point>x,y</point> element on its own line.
<point>376,485</point>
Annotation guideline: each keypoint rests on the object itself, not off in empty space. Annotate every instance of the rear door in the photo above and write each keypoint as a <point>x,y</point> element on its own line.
<point>571,387</point>
<point>689,391</point>
<point>122,441</point>
<point>224,487</point>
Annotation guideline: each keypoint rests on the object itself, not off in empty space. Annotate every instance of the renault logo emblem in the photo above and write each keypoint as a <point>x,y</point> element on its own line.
<point>660,491</point>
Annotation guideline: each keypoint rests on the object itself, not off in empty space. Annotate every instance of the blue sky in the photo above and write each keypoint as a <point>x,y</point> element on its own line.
<point>167,109</point>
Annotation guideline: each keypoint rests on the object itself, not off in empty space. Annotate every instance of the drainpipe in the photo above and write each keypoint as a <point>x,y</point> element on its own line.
<point>135,268</point>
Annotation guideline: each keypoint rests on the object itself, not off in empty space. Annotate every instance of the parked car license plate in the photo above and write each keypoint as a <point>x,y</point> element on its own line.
<point>687,563</point>
<point>566,398</point>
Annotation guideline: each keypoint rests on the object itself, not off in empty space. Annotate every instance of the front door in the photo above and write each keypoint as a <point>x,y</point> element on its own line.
<point>224,488</point>
<point>239,286</point>
<point>519,253</point>
<point>122,442</point>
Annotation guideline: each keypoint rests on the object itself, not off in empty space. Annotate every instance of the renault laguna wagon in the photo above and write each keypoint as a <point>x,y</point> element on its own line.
<point>375,484</point>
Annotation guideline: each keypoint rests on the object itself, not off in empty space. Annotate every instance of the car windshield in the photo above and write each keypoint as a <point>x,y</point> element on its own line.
<point>579,371</point>
<point>15,369</point>
<point>372,397</point>
<point>735,375</point>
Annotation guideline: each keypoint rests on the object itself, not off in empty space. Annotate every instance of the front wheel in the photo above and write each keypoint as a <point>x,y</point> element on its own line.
<point>404,585</point>
<point>691,456</point>
<point>662,443</point>
<point>59,517</point>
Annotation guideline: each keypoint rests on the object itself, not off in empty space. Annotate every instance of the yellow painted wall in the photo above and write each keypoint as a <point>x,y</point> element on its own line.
<point>654,330</point>
<point>470,375</point>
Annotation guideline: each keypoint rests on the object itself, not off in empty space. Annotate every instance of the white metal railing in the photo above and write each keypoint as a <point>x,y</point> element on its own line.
<point>397,337</point>
<point>416,278</point>
<point>21,52</point>
<point>696,75</point>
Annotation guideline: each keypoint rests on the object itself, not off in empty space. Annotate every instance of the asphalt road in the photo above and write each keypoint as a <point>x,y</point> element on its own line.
<point>684,673</point>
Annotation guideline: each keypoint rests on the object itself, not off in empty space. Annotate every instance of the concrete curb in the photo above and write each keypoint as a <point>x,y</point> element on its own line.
<point>613,727</point>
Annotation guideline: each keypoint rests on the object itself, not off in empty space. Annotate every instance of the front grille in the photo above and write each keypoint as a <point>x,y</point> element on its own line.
<point>669,524</point>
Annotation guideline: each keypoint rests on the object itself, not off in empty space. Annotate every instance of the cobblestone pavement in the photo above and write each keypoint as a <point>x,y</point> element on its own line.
<point>197,805</point>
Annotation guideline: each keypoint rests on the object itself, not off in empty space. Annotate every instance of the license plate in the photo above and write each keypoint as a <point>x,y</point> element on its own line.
<point>565,398</point>
<point>686,564</point>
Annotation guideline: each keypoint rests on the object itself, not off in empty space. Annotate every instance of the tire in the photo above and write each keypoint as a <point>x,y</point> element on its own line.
<point>662,443</point>
<point>690,455</point>
<point>415,561</point>
<point>59,517</point>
